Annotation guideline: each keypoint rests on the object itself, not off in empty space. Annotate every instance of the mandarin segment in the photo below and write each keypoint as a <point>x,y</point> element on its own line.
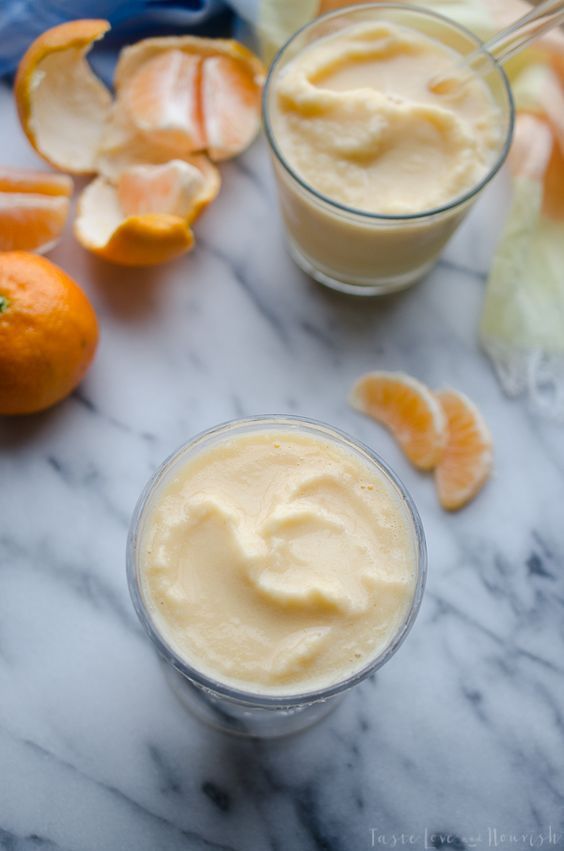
<point>31,222</point>
<point>162,99</point>
<point>408,409</point>
<point>48,333</point>
<point>230,106</point>
<point>36,182</point>
<point>189,94</point>
<point>132,58</point>
<point>34,206</point>
<point>467,458</point>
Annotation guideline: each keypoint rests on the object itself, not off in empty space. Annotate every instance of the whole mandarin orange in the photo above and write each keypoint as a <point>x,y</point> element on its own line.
<point>48,333</point>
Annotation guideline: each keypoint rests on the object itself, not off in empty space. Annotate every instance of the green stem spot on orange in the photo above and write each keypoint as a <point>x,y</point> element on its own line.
<point>4,303</point>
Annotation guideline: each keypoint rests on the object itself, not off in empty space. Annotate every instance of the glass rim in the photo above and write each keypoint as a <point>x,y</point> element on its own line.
<point>209,683</point>
<point>458,200</point>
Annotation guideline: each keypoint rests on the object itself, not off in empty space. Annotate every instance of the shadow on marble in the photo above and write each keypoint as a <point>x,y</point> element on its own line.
<point>16,431</point>
<point>129,293</point>
<point>360,315</point>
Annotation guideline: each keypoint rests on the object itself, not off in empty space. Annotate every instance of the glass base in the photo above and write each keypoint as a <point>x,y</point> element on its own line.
<point>242,719</point>
<point>375,287</point>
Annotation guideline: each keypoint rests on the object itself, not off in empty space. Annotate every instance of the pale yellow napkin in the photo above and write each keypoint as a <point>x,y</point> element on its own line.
<point>522,325</point>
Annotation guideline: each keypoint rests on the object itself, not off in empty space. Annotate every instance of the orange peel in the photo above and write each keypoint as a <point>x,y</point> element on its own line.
<point>104,228</point>
<point>62,104</point>
<point>176,98</point>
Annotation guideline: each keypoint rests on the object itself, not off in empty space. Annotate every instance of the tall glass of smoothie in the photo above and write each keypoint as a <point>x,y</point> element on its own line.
<point>275,562</point>
<point>376,168</point>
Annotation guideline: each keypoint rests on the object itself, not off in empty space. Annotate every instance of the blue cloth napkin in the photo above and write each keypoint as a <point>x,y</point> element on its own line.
<point>21,21</point>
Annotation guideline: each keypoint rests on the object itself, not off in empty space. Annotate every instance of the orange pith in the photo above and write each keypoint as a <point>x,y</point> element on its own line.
<point>180,187</point>
<point>467,458</point>
<point>408,409</point>
<point>48,333</point>
<point>72,36</point>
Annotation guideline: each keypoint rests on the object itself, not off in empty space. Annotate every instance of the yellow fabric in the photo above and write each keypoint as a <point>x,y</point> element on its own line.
<point>522,326</point>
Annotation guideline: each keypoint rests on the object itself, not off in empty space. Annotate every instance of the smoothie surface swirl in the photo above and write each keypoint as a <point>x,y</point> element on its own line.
<point>354,116</point>
<point>278,562</point>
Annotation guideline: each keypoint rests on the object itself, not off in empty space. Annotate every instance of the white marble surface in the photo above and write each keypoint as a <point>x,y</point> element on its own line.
<point>460,734</point>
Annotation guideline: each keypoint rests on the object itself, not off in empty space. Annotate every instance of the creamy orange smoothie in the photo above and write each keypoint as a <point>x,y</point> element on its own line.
<point>355,116</point>
<point>278,562</point>
<point>358,132</point>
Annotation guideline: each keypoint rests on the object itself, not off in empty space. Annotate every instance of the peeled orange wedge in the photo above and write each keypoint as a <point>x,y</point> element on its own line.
<point>408,409</point>
<point>162,98</point>
<point>34,207</point>
<point>190,94</point>
<point>467,458</point>
<point>62,105</point>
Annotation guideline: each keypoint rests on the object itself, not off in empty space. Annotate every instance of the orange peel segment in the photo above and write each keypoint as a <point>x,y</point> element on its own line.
<point>61,103</point>
<point>190,94</point>
<point>408,409</point>
<point>467,458</point>
<point>102,227</point>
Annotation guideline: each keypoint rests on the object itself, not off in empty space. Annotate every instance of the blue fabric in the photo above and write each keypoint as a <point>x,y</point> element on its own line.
<point>21,21</point>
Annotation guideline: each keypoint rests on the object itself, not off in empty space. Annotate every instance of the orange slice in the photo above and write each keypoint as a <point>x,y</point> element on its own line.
<point>36,182</point>
<point>62,105</point>
<point>230,106</point>
<point>103,227</point>
<point>467,459</point>
<point>163,99</point>
<point>190,94</point>
<point>179,188</point>
<point>408,409</point>
<point>33,209</point>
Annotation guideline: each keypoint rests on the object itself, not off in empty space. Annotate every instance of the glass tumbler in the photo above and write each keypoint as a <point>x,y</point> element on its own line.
<point>355,251</point>
<point>220,704</point>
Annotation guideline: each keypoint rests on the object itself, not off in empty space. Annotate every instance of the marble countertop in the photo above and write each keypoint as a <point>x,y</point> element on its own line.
<point>457,742</point>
